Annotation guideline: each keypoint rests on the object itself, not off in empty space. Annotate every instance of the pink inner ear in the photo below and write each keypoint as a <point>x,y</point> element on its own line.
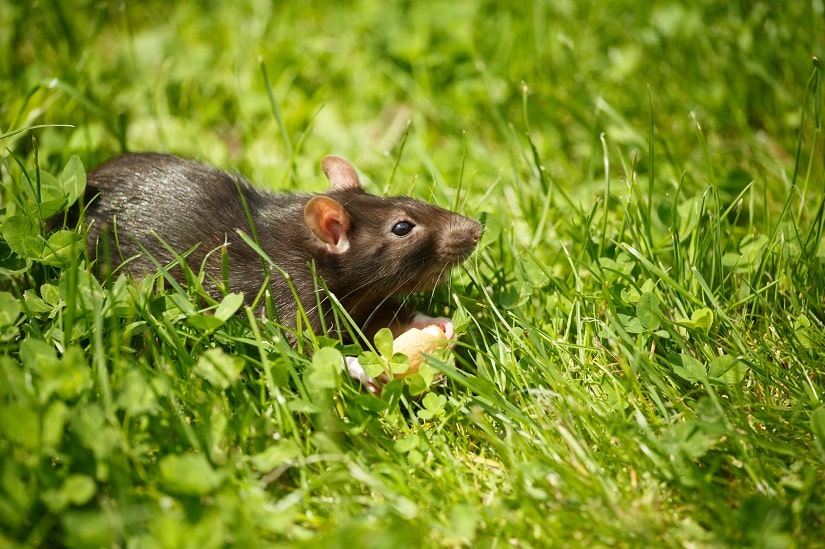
<point>328,220</point>
<point>333,226</point>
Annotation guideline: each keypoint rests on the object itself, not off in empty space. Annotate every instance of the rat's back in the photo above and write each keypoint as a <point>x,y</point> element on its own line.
<point>148,199</point>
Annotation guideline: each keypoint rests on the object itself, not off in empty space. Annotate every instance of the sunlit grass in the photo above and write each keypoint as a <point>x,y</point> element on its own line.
<point>642,324</point>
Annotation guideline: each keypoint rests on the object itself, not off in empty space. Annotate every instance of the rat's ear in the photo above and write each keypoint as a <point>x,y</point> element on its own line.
<point>329,221</point>
<point>341,174</point>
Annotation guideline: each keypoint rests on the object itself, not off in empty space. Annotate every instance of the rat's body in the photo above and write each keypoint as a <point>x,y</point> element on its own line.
<point>364,248</point>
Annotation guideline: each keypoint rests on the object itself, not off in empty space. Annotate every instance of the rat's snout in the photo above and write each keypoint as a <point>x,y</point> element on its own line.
<point>471,229</point>
<point>462,238</point>
<point>477,230</point>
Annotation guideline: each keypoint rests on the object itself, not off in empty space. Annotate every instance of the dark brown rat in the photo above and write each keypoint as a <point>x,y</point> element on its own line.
<point>365,248</point>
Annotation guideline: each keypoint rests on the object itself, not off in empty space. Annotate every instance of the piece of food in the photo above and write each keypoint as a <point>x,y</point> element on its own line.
<point>417,343</point>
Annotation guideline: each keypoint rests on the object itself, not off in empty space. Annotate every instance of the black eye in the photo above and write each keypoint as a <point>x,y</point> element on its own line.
<point>402,228</point>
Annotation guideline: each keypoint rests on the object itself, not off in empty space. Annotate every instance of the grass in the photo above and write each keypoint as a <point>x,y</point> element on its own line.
<point>642,349</point>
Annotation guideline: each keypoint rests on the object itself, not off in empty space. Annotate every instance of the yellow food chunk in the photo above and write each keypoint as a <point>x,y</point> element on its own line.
<point>417,343</point>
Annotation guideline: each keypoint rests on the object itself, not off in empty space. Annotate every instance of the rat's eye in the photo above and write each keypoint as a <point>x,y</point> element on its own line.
<point>402,228</point>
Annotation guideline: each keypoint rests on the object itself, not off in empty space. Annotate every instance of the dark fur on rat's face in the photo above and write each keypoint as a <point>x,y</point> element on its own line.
<point>399,244</point>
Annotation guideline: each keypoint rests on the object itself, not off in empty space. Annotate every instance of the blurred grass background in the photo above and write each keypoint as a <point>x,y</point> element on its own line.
<point>348,77</point>
<point>644,365</point>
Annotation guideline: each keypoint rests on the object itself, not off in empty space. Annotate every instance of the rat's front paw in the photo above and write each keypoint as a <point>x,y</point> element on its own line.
<point>421,321</point>
<point>356,371</point>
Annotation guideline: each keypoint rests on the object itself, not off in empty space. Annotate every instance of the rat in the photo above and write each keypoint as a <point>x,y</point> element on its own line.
<point>366,249</point>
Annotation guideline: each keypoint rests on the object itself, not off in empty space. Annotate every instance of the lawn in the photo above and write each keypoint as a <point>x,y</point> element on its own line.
<point>642,344</point>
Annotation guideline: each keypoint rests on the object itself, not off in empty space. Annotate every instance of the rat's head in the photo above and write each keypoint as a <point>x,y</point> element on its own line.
<point>379,246</point>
